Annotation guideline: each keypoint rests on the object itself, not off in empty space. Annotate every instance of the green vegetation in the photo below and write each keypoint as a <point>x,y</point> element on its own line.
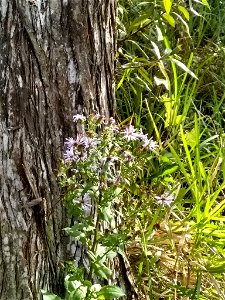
<point>170,83</point>
<point>166,192</point>
<point>100,170</point>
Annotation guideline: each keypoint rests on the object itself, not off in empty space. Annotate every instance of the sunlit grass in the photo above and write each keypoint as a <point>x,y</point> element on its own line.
<point>171,83</point>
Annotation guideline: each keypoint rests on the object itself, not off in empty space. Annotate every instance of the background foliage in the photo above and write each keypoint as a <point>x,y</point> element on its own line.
<point>170,83</point>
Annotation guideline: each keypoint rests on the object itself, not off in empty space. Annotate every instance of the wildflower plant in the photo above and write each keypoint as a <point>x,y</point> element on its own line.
<point>99,167</point>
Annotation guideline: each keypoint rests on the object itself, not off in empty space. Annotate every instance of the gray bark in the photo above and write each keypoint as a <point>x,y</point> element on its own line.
<point>56,59</point>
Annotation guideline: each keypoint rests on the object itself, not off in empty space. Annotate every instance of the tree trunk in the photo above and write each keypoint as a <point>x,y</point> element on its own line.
<point>56,60</point>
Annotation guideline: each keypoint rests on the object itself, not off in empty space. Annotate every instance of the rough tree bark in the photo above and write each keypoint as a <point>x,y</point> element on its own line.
<point>56,59</point>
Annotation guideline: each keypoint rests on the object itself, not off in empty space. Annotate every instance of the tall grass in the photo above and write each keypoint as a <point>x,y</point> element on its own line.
<point>170,82</point>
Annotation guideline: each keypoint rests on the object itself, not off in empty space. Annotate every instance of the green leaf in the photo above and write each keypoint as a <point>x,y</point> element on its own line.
<point>137,45</point>
<point>167,5</point>
<point>218,267</point>
<point>179,119</point>
<point>121,80</point>
<point>169,170</point>
<point>100,252</point>
<point>101,270</point>
<point>159,34</point>
<point>184,67</point>
<point>80,231</point>
<point>114,240</point>
<point>205,2</point>
<point>49,296</point>
<point>117,191</point>
<point>79,294</point>
<point>75,288</point>
<point>184,12</point>
<point>156,50</point>
<point>145,75</point>
<point>193,10</point>
<point>191,138</point>
<point>110,292</point>
<point>107,214</point>
<point>169,19</point>
<point>184,22</point>
<point>138,22</point>
<point>160,81</point>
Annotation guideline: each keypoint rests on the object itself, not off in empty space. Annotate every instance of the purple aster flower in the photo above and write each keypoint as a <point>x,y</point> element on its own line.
<point>97,116</point>
<point>68,155</point>
<point>69,150</point>
<point>79,117</point>
<point>85,141</point>
<point>112,120</point>
<point>150,144</point>
<point>142,136</point>
<point>130,133</point>
<point>114,128</point>
<point>69,142</point>
<point>165,199</point>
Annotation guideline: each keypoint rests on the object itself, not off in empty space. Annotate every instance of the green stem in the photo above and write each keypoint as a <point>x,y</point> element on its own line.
<point>95,240</point>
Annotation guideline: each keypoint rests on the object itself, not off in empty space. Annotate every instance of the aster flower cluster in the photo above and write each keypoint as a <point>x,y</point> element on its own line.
<point>131,134</point>
<point>107,157</point>
<point>77,149</point>
<point>105,154</point>
<point>102,175</point>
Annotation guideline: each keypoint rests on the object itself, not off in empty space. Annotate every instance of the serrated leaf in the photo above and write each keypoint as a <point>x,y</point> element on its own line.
<point>167,5</point>
<point>114,240</point>
<point>49,296</point>
<point>184,67</point>
<point>169,19</point>
<point>110,292</point>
